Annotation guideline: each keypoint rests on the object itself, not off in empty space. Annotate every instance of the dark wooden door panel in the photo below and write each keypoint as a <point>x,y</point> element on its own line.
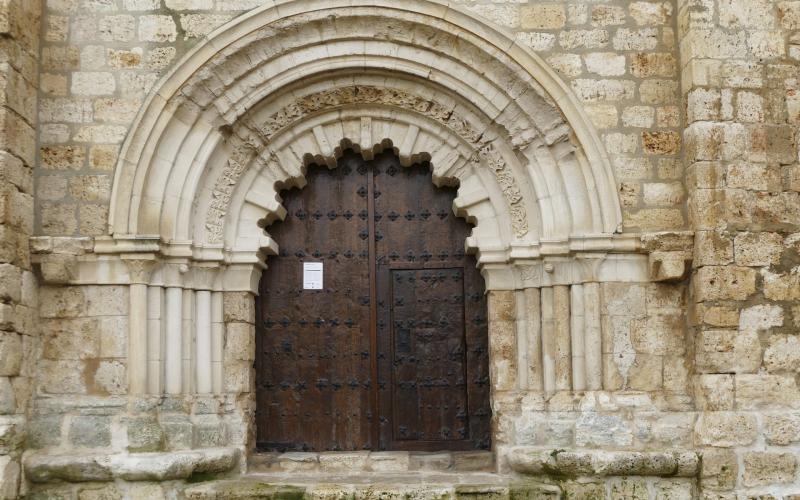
<point>314,376</point>
<point>419,328</point>
<point>420,249</point>
<point>429,390</point>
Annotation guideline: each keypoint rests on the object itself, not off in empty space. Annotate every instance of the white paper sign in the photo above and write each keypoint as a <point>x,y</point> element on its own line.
<point>312,275</point>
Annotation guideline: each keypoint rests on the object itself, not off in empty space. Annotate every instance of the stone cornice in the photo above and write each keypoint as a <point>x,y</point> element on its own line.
<point>632,257</point>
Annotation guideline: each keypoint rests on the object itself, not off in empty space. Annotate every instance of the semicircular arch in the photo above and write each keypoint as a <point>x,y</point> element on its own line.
<point>295,81</point>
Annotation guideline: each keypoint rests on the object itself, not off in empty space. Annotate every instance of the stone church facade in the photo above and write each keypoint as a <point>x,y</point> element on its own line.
<point>630,171</point>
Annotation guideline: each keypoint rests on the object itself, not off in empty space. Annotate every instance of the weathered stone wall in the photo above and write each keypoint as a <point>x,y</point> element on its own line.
<point>19,49</point>
<point>740,81</point>
<point>643,399</point>
<point>692,96</point>
<point>100,58</point>
<point>620,58</point>
<point>82,382</point>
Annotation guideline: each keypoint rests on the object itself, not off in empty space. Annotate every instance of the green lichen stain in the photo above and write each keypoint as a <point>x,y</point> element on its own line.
<point>201,477</point>
<point>523,491</point>
<point>482,492</point>
<point>248,490</point>
<point>276,492</point>
<point>583,491</point>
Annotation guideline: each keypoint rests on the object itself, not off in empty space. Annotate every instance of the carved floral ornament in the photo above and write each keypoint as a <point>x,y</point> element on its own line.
<point>249,108</point>
<point>355,95</point>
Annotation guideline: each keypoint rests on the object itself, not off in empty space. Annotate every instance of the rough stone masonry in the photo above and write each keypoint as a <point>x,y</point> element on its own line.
<point>631,168</point>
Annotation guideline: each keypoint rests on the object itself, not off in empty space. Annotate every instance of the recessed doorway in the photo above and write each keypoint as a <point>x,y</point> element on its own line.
<point>372,320</point>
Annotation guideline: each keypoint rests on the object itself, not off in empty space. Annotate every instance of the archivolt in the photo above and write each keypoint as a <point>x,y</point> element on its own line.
<point>297,81</point>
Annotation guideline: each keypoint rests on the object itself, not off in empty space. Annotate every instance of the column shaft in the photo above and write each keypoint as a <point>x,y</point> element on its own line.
<point>173,362</point>
<point>155,339</point>
<point>137,340</point>
<point>593,346</point>
<point>203,357</point>
<point>563,357</point>
<point>217,341</point>
<point>548,341</point>
<point>577,336</point>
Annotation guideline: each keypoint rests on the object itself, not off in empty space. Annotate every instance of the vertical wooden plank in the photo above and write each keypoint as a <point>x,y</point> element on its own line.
<point>373,307</point>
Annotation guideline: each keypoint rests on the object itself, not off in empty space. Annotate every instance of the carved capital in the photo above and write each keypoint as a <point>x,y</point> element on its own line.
<point>175,273</point>
<point>140,267</point>
<point>204,277</point>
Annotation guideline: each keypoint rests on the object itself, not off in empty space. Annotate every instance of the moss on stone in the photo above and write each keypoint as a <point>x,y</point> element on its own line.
<point>201,477</point>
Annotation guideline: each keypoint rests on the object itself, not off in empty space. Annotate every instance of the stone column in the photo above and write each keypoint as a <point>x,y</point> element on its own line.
<point>217,341</point>
<point>548,341</point>
<point>502,340</point>
<point>533,323</point>
<point>155,339</point>
<point>593,349</point>
<point>188,341</point>
<point>203,358</point>
<point>563,361</point>
<point>204,316</point>
<point>577,332</point>
<point>140,270</point>
<point>173,328</point>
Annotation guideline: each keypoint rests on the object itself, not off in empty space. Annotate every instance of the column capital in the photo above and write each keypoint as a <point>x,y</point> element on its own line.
<point>204,275</point>
<point>175,272</point>
<point>140,267</point>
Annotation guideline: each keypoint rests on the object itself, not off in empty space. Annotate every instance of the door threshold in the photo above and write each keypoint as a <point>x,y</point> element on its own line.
<point>338,462</point>
<point>473,485</point>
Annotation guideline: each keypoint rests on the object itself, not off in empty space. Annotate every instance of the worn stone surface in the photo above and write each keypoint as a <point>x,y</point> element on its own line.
<point>695,104</point>
<point>42,468</point>
<point>381,487</point>
<point>599,464</point>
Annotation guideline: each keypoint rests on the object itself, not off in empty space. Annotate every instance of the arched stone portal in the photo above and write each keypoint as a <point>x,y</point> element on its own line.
<point>388,350</point>
<point>297,82</point>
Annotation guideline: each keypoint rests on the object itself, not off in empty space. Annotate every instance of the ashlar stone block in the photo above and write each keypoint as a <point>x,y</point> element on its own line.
<point>719,469</point>
<point>726,429</point>
<point>724,283</point>
<point>728,351</point>
<point>763,468</point>
<point>86,431</point>
<point>761,391</point>
<point>157,28</point>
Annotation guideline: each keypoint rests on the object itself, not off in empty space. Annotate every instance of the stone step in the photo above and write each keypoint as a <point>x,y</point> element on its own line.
<point>419,486</point>
<point>365,461</point>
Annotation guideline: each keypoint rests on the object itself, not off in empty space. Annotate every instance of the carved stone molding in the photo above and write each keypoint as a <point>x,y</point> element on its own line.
<point>242,115</point>
<point>484,151</point>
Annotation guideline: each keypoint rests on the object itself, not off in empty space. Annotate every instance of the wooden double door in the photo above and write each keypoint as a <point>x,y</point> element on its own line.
<point>391,352</point>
